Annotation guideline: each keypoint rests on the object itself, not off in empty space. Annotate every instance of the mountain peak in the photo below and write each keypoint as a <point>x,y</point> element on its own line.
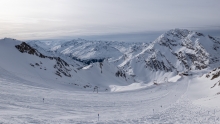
<point>174,52</point>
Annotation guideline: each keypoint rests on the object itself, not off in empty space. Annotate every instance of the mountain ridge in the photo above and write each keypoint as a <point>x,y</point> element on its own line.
<point>77,62</point>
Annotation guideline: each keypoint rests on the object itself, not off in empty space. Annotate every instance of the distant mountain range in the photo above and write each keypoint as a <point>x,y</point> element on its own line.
<point>99,64</point>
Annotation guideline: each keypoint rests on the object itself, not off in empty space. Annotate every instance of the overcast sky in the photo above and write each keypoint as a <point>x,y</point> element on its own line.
<point>46,19</point>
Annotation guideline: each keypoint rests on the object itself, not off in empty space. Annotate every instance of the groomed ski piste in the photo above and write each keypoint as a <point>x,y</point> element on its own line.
<point>173,80</point>
<point>181,100</point>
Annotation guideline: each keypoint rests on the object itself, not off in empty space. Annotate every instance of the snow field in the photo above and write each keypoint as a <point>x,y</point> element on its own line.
<point>164,103</point>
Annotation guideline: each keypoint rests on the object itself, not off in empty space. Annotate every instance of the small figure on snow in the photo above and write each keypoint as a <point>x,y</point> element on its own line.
<point>96,89</point>
<point>98,116</point>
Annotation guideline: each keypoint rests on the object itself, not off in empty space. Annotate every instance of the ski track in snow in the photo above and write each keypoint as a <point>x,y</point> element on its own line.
<point>33,91</point>
<point>168,103</point>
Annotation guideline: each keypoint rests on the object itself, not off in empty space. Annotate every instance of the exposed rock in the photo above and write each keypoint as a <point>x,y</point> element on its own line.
<point>214,73</point>
<point>120,73</point>
<point>61,65</point>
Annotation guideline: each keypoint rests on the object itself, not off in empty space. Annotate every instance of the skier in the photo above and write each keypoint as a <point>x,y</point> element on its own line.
<point>98,116</point>
<point>43,99</point>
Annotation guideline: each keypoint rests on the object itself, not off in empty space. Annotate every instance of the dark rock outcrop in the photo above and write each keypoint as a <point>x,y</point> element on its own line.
<point>61,65</point>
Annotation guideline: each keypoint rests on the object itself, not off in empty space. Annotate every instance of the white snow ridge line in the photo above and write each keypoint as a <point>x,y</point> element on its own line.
<point>173,80</point>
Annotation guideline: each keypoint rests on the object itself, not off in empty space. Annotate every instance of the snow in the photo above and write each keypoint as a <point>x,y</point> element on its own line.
<point>133,86</point>
<point>22,103</point>
<point>87,67</point>
<point>175,78</point>
<point>208,102</point>
<point>136,83</point>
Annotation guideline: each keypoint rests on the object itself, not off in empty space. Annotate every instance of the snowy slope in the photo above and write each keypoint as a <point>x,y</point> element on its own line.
<point>84,50</point>
<point>88,64</point>
<point>183,101</point>
<point>177,51</point>
<point>174,79</point>
<point>29,64</point>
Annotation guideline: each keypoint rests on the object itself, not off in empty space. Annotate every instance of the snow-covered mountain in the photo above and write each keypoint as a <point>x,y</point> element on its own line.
<point>91,64</point>
<point>174,79</point>
<point>86,51</point>
<point>30,64</point>
<point>175,52</point>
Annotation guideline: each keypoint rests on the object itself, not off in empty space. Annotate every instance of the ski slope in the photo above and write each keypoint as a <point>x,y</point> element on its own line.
<point>22,102</point>
<point>175,80</point>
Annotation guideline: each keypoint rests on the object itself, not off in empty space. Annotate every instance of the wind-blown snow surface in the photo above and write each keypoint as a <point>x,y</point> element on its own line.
<point>183,102</point>
<point>175,79</point>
